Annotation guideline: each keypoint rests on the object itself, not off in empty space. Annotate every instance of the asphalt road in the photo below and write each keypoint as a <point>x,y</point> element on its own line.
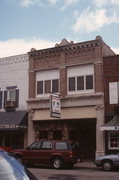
<point>79,172</point>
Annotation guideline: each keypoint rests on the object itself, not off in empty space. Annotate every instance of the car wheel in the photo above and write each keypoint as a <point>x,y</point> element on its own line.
<point>107,165</point>
<point>57,163</point>
<point>19,158</point>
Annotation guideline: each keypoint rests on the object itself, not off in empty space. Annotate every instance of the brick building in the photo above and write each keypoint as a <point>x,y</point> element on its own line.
<point>75,72</point>
<point>111,89</point>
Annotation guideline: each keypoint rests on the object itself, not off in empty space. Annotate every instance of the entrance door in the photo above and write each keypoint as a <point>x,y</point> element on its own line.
<point>87,140</point>
<point>85,134</point>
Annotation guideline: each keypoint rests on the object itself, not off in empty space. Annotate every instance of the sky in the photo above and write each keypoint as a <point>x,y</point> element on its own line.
<point>40,24</point>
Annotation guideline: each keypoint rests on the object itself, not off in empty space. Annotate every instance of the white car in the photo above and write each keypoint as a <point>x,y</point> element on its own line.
<point>11,169</point>
<point>107,162</point>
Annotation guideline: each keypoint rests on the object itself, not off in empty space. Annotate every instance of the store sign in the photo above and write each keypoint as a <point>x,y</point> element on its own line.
<point>55,106</point>
<point>11,126</point>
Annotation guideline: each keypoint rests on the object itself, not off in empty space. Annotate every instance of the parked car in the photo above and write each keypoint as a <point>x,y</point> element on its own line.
<point>50,152</point>
<point>107,162</point>
<point>11,169</point>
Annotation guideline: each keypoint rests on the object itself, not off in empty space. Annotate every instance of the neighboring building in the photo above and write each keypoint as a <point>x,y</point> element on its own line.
<point>13,97</point>
<point>111,89</point>
<point>75,72</point>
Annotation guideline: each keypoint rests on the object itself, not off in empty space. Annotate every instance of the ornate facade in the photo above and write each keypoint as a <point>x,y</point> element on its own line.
<point>78,69</point>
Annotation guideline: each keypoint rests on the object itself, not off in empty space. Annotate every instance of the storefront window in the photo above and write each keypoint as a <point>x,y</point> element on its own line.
<point>113,140</point>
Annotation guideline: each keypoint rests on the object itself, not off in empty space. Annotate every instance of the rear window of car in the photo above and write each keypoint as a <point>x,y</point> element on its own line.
<point>61,146</point>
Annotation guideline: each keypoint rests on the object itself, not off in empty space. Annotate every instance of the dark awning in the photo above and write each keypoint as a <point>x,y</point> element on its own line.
<point>13,120</point>
<point>111,125</point>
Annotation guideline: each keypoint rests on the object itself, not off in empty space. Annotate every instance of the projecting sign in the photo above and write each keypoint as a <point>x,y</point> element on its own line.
<point>55,106</point>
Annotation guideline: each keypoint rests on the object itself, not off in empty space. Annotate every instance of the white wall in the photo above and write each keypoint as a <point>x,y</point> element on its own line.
<point>14,72</point>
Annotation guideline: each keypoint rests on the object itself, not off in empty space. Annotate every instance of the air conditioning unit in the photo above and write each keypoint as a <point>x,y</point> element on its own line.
<point>10,105</point>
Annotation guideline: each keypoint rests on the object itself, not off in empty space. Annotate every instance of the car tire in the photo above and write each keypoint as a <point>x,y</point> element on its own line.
<point>107,165</point>
<point>19,159</point>
<point>57,163</point>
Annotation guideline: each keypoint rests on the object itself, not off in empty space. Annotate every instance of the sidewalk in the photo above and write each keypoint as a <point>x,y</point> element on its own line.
<point>86,164</point>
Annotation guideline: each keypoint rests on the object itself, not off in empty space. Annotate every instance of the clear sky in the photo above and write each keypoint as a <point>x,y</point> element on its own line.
<point>26,24</point>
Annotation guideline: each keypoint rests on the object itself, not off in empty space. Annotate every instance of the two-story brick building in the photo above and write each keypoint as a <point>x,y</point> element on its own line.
<point>111,89</point>
<point>75,72</point>
<point>13,96</point>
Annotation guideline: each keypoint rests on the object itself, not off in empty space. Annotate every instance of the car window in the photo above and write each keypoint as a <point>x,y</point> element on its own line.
<point>61,146</point>
<point>35,146</point>
<point>46,145</point>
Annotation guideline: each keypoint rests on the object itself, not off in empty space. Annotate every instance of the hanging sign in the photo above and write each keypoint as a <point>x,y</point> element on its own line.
<point>55,106</point>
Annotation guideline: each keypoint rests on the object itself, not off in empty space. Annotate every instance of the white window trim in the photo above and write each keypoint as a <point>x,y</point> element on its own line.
<point>47,94</point>
<point>80,91</point>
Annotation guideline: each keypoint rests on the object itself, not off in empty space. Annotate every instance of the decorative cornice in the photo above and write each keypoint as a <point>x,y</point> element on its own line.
<point>67,49</point>
<point>14,59</point>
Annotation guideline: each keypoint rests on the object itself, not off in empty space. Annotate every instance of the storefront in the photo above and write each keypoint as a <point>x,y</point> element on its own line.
<point>74,125</point>
<point>111,129</point>
<point>13,129</point>
<point>82,131</point>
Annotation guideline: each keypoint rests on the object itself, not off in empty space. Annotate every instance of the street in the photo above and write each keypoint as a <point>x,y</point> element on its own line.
<point>82,171</point>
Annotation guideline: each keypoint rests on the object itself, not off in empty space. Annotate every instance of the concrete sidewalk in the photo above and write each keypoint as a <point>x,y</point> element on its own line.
<point>86,164</point>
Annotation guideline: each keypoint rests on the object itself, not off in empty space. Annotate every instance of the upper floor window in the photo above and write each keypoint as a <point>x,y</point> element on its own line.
<point>48,86</point>
<point>80,79</point>
<point>113,92</point>
<point>80,83</point>
<point>47,81</point>
<point>11,95</point>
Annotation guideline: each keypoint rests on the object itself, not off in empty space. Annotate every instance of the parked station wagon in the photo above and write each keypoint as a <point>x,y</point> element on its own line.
<point>50,152</point>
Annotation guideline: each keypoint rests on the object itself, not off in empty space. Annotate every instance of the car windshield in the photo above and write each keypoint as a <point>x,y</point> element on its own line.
<point>10,169</point>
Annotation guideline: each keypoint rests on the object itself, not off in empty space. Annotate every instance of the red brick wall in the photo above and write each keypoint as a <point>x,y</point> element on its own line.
<point>62,57</point>
<point>111,74</point>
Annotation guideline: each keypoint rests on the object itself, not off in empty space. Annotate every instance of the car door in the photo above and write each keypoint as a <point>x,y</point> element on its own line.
<point>46,151</point>
<point>32,153</point>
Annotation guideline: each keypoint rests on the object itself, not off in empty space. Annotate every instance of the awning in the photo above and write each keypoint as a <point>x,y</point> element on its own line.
<point>13,120</point>
<point>111,125</point>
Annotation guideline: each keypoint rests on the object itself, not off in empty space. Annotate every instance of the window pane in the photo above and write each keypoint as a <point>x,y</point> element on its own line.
<point>61,145</point>
<point>72,84</point>
<point>40,87</point>
<point>55,85</point>
<point>80,83</point>
<point>114,140</point>
<point>35,146</point>
<point>12,95</point>
<point>89,82</point>
<point>48,86</point>
<point>46,145</point>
